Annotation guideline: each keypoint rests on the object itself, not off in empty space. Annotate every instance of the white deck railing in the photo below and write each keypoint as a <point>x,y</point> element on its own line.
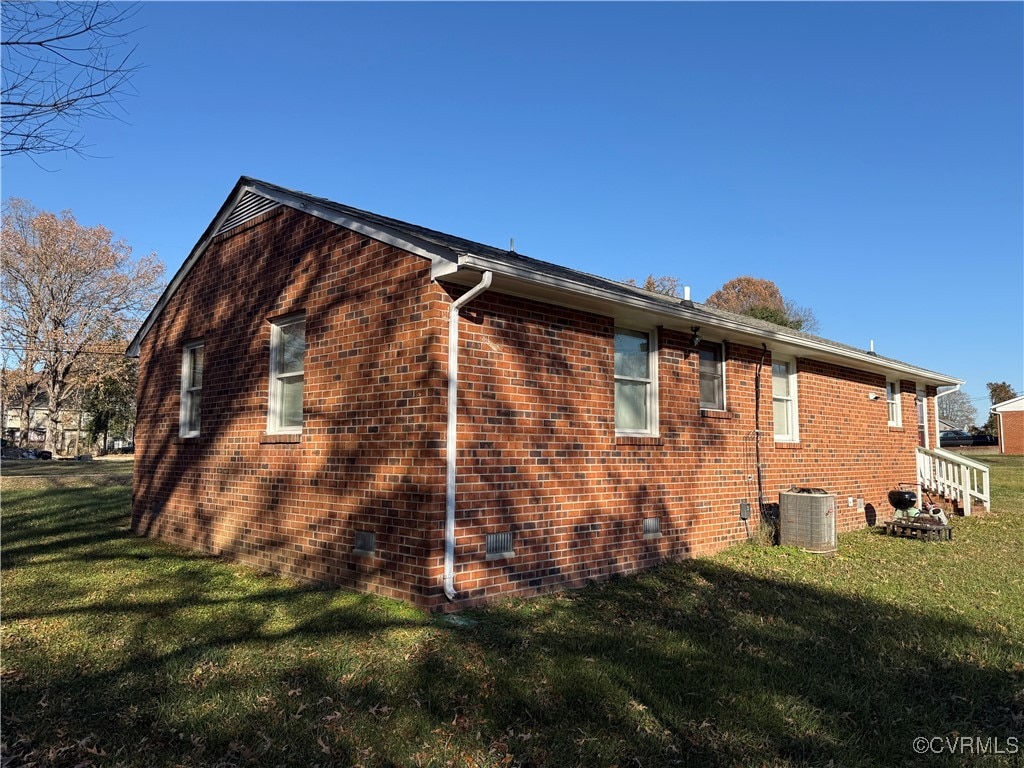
<point>954,477</point>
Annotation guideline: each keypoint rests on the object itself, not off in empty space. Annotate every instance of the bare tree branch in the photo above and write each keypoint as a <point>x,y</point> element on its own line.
<point>62,64</point>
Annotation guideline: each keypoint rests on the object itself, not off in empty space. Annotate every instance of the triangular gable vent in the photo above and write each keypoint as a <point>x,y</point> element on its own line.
<point>249,207</point>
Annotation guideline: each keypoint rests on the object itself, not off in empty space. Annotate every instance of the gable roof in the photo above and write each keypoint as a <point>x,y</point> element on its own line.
<point>456,260</point>
<point>1013,404</point>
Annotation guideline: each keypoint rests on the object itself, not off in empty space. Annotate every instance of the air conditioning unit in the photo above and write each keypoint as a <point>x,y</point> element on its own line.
<point>807,519</point>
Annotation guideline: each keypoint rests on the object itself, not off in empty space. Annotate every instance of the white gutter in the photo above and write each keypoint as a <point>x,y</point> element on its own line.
<point>451,442</point>
<point>685,314</point>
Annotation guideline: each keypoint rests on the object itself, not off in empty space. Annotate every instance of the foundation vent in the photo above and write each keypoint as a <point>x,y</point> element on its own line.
<point>652,526</point>
<point>366,543</point>
<point>499,545</point>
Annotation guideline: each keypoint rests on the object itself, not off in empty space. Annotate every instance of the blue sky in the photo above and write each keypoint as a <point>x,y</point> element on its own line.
<point>867,157</point>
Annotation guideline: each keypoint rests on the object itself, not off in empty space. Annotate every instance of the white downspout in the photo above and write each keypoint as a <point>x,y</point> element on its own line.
<point>451,441</point>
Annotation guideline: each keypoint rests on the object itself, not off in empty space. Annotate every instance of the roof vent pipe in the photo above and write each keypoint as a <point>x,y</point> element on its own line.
<point>686,293</point>
<point>451,441</point>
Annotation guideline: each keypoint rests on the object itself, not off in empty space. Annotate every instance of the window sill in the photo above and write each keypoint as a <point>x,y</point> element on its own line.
<point>895,428</point>
<point>274,439</point>
<point>789,445</point>
<point>638,440</point>
<point>714,413</point>
<point>187,440</point>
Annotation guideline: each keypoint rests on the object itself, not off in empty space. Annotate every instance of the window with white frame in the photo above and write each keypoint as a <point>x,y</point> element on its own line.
<point>892,398</point>
<point>287,356</point>
<point>635,383</point>
<point>784,400</point>
<point>191,389</point>
<point>712,376</point>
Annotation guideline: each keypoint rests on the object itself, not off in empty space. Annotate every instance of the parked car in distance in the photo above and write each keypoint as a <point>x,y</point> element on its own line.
<point>955,438</point>
<point>13,452</point>
<point>985,440</point>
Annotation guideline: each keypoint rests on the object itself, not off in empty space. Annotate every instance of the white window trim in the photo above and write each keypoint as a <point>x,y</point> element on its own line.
<point>794,399</point>
<point>274,390</point>
<point>187,392</point>
<point>725,389</point>
<point>893,403</point>
<point>653,420</point>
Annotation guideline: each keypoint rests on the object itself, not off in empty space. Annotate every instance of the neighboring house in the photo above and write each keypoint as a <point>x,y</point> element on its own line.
<point>68,438</point>
<point>34,432</point>
<point>355,400</point>
<point>1010,422</point>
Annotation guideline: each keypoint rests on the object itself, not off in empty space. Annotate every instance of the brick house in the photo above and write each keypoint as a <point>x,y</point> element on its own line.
<point>351,399</point>
<point>1010,425</point>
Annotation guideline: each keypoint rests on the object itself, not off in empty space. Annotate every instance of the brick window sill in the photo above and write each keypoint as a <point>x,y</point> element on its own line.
<point>788,446</point>
<point>191,440</point>
<point>708,413</point>
<point>896,429</point>
<point>279,439</point>
<point>637,440</point>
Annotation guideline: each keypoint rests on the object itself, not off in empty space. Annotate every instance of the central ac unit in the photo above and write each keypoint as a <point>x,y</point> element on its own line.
<point>807,519</point>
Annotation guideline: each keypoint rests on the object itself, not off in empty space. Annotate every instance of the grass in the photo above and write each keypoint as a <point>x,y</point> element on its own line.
<point>120,651</point>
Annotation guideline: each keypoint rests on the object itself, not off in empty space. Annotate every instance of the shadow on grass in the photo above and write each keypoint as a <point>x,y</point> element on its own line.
<point>190,661</point>
<point>58,519</point>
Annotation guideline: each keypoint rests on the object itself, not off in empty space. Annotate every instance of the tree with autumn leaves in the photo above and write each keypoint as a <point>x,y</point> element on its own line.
<point>751,296</point>
<point>762,299</point>
<point>72,296</point>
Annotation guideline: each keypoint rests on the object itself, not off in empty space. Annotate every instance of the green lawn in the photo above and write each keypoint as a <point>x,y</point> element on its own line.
<point>125,651</point>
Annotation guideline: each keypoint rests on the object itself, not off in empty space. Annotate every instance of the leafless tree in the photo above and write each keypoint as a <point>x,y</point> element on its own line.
<point>665,284</point>
<point>70,295</point>
<point>63,62</point>
<point>956,409</point>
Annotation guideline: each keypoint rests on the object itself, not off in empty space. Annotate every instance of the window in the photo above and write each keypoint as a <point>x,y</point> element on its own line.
<point>784,400</point>
<point>712,378</point>
<point>191,389</point>
<point>635,400</point>
<point>287,353</point>
<point>892,397</point>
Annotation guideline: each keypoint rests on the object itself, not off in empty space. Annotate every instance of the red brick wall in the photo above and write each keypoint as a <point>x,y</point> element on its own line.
<point>371,453</point>
<point>538,451</point>
<point>1011,435</point>
<point>540,457</point>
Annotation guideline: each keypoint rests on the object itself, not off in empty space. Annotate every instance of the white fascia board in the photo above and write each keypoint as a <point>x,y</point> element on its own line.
<point>1013,404</point>
<point>440,257</point>
<point>681,317</point>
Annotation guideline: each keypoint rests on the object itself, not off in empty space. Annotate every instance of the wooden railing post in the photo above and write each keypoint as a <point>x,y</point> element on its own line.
<point>954,477</point>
